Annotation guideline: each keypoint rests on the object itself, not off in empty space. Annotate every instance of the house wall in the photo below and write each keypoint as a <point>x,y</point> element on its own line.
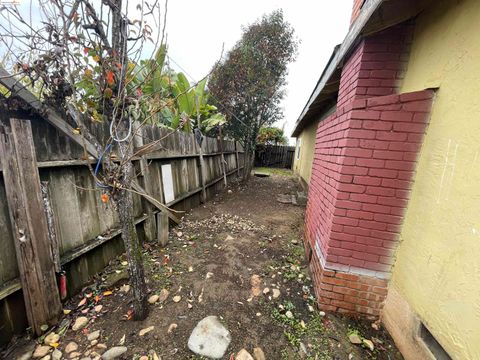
<point>303,165</point>
<point>436,277</point>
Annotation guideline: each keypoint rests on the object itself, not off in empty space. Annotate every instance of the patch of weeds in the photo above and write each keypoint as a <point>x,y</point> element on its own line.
<point>275,171</point>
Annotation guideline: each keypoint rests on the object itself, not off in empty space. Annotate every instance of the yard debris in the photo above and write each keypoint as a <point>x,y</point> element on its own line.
<point>98,308</point>
<point>93,335</point>
<point>209,275</point>
<point>153,299</point>
<point>146,330</point>
<point>41,351</point>
<point>51,338</point>
<point>266,291</point>
<point>172,328</point>
<point>56,354</point>
<point>275,293</point>
<point>71,347</point>
<point>163,295</point>
<point>125,288</point>
<point>209,338</point>
<point>80,323</point>
<point>243,355</point>
<point>355,339</point>
<point>368,344</point>
<point>256,282</point>
<point>122,340</point>
<point>258,354</point>
<point>114,352</point>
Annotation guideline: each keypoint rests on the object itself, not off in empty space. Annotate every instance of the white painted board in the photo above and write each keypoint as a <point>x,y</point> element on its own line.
<point>167,180</point>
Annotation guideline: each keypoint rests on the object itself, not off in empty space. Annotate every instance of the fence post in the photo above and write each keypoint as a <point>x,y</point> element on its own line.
<point>29,224</point>
<point>236,159</point>
<point>149,224</point>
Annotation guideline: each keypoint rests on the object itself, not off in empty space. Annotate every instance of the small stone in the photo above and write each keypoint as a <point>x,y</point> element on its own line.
<point>146,330</point>
<point>114,352</point>
<point>56,354</point>
<point>93,342</point>
<point>229,191</point>
<point>71,346</point>
<point>125,288</point>
<point>93,336</point>
<point>98,308</point>
<point>177,298</point>
<point>163,295</point>
<point>243,355</point>
<point>209,275</point>
<point>122,340</point>
<point>144,357</point>
<point>46,357</point>
<point>51,338</point>
<point>294,241</point>
<point>190,269</point>
<point>310,308</point>
<point>101,346</point>
<point>266,291</point>
<point>179,234</point>
<point>354,339</point>
<point>41,351</point>
<point>209,338</point>
<point>275,293</point>
<point>258,314</point>
<point>375,326</point>
<point>368,344</point>
<point>172,328</point>
<point>322,313</point>
<point>80,323</point>
<point>289,314</point>
<point>74,354</point>
<point>153,299</point>
<point>258,354</point>
<point>229,238</point>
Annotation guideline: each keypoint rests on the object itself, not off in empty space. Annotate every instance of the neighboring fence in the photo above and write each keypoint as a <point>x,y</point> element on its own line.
<point>87,230</point>
<point>278,156</point>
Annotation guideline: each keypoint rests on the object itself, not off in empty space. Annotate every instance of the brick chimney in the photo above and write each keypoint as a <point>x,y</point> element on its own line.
<point>357,6</point>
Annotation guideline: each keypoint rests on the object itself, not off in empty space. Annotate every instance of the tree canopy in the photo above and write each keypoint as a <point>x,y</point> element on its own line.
<point>248,84</point>
<point>271,135</point>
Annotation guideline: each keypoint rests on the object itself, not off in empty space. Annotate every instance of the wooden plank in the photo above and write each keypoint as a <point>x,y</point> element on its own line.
<point>162,228</point>
<point>52,231</point>
<point>22,184</point>
<point>149,225</point>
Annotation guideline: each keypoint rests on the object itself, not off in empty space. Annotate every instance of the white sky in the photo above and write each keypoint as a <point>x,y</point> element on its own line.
<point>197,29</point>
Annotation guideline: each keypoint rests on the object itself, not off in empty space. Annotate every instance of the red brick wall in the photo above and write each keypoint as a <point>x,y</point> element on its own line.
<point>377,65</point>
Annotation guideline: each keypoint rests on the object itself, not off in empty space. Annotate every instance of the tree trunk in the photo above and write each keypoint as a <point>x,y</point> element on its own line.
<point>124,200</point>
<point>249,157</point>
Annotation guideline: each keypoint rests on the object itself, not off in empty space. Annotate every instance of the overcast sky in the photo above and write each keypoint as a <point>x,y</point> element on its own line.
<point>197,30</point>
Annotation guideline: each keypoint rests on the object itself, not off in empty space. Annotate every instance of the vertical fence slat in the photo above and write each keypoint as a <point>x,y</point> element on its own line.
<point>29,224</point>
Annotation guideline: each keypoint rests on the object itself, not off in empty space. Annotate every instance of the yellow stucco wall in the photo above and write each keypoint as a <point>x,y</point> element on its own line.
<point>438,261</point>
<point>303,165</point>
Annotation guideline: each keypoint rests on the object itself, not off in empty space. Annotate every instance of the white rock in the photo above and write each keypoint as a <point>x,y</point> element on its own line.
<point>243,355</point>
<point>75,354</point>
<point>289,314</point>
<point>93,336</point>
<point>258,354</point>
<point>125,288</point>
<point>56,354</point>
<point>114,352</point>
<point>153,299</point>
<point>46,357</point>
<point>209,338</point>
<point>275,293</point>
<point>177,298</point>
<point>229,238</point>
<point>266,291</point>
<point>93,342</point>
<point>51,338</point>
<point>322,313</point>
<point>80,323</point>
<point>41,351</point>
<point>146,330</point>
<point>98,308</point>
<point>71,346</point>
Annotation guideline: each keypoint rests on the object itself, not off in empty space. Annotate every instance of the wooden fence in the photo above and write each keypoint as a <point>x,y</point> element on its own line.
<point>87,230</point>
<point>278,156</point>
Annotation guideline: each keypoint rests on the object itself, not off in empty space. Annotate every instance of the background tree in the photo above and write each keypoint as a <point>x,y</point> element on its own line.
<point>271,135</point>
<point>248,85</point>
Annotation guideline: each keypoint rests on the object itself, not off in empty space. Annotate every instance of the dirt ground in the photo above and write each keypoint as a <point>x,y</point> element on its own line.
<point>209,262</point>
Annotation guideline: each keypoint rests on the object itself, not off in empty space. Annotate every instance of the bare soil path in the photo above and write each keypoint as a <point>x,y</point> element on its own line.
<point>239,257</point>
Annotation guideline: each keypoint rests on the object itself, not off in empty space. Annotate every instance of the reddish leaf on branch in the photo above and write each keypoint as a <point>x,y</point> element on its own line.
<point>110,78</point>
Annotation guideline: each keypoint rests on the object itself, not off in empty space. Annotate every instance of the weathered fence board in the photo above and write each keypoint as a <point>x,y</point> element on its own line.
<point>29,224</point>
<point>87,229</point>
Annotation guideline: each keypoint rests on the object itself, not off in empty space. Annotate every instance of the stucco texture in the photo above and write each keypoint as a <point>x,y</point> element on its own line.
<point>303,165</point>
<point>438,262</point>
